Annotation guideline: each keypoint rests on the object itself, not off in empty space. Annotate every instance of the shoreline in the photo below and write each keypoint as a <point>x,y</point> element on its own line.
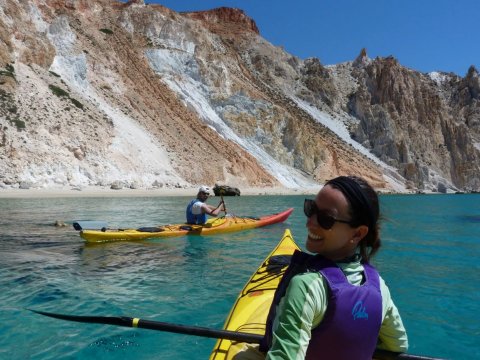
<point>107,192</point>
<point>98,191</point>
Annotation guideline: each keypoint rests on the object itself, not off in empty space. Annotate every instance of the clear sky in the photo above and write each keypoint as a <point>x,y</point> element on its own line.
<point>424,35</point>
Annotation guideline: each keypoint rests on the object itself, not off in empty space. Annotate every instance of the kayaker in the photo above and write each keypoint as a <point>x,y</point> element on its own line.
<point>197,209</point>
<point>334,305</point>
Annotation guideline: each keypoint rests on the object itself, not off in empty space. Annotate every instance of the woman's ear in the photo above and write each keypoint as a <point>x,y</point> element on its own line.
<point>359,233</point>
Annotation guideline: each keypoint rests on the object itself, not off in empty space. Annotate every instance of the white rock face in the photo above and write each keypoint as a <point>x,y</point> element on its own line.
<point>138,96</point>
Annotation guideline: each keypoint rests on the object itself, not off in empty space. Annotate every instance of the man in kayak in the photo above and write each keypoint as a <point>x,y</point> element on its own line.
<point>197,209</point>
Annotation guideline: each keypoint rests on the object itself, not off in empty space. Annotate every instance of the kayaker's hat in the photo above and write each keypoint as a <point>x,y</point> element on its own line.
<point>204,189</point>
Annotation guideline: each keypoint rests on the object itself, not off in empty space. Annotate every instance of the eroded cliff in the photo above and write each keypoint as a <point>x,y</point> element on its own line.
<point>102,92</point>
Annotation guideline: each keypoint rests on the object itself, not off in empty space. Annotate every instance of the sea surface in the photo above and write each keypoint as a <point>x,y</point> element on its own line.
<point>430,259</point>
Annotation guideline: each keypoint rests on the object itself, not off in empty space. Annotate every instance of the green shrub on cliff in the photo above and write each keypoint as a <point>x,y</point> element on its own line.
<point>106,31</point>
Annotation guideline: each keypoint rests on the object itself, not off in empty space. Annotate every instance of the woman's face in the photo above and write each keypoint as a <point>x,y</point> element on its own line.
<point>341,240</point>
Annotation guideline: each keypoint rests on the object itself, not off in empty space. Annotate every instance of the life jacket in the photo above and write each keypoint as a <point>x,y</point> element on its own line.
<point>351,324</point>
<point>191,217</point>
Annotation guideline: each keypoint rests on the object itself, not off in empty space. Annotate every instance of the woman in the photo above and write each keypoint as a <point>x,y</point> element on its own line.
<point>334,305</point>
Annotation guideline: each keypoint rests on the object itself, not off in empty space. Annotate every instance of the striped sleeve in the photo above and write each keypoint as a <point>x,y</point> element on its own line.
<point>299,311</point>
<point>393,336</point>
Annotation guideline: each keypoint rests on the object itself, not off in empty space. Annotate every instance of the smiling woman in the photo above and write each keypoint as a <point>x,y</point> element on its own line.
<point>337,296</point>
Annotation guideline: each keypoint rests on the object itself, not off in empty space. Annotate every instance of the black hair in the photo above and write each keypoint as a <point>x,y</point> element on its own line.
<point>364,209</point>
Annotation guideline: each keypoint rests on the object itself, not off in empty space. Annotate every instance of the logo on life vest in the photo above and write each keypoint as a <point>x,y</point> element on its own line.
<point>359,311</point>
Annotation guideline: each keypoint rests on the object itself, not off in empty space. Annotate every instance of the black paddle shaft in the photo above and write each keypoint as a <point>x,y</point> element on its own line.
<point>224,206</point>
<point>199,331</point>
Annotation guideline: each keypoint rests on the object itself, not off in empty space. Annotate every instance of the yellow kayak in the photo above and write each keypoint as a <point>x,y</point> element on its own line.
<point>213,226</point>
<point>249,313</point>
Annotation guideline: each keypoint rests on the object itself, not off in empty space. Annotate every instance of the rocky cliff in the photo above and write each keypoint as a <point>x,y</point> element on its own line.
<point>126,94</point>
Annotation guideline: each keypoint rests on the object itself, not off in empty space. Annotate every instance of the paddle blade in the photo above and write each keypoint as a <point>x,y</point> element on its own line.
<point>107,320</point>
<point>89,225</point>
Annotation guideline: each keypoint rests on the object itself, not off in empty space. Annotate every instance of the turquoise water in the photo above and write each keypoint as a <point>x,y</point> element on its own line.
<point>430,260</point>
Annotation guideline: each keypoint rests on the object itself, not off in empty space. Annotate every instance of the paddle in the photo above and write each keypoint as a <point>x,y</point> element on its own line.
<point>157,325</point>
<point>89,225</point>
<point>198,331</point>
<point>224,206</point>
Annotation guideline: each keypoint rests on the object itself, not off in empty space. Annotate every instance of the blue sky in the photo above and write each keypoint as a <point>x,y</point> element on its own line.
<point>424,35</point>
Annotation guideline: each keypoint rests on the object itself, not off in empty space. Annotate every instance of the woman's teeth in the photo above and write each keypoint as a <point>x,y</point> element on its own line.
<point>314,236</point>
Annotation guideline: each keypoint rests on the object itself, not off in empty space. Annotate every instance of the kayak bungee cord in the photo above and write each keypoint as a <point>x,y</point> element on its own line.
<point>198,331</point>
<point>275,268</point>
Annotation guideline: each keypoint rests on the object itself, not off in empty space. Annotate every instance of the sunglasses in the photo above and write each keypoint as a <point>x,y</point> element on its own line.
<point>325,220</point>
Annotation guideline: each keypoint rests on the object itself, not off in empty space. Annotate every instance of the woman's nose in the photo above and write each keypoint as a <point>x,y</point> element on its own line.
<point>311,221</point>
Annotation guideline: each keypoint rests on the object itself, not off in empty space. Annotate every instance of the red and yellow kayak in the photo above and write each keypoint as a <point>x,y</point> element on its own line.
<point>249,313</point>
<point>213,226</point>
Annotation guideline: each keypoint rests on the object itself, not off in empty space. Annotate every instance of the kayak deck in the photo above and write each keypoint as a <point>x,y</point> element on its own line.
<point>213,226</point>
<point>249,313</point>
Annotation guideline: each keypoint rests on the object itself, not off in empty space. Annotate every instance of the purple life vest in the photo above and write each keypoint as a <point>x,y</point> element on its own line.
<point>351,324</point>
<point>350,327</point>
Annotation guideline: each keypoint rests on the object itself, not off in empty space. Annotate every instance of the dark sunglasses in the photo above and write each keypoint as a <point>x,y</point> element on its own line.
<point>325,220</point>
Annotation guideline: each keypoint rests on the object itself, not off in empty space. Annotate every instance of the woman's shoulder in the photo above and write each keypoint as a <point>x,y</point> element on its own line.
<point>307,279</point>
<point>309,287</point>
